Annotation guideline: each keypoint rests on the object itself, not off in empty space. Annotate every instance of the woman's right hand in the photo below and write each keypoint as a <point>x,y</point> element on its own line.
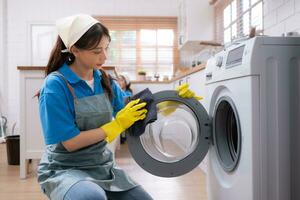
<point>131,113</point>
<point>125,118</point>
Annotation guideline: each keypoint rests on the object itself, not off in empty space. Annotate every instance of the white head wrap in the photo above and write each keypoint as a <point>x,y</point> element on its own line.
<point>126,78</point>
<point>70,29</point>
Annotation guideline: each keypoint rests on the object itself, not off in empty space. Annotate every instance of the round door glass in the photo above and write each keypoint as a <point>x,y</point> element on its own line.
<point>177,141</point>
<point>174,135</point>
<point>227,133</point>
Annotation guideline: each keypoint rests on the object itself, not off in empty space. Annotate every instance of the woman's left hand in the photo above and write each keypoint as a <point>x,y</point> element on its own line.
<point>184,92</point>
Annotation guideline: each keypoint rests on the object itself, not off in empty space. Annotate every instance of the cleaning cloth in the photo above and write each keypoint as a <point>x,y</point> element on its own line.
<point>138,128</point>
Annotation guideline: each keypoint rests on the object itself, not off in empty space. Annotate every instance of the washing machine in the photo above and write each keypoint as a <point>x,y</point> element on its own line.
<point>248,129</point>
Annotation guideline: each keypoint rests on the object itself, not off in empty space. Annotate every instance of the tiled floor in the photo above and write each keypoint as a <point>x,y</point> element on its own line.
<point>188,187</point>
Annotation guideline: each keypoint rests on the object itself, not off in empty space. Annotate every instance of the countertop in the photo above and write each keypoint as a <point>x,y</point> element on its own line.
<point>182,75</point>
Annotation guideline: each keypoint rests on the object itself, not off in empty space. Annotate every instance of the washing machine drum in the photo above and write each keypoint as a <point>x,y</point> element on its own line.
<point>177,141</point>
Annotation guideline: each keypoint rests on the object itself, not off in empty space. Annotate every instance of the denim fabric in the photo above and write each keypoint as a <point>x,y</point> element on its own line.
<point>87,190</point>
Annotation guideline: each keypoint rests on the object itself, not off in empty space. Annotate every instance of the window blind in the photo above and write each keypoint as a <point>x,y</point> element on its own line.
<point>143,44</point>
<point>235,18</point>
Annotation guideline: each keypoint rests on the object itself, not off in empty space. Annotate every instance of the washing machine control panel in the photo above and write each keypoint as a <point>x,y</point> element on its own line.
<point>219,61</point>
<point>235,57</point>
<point>228,63</point>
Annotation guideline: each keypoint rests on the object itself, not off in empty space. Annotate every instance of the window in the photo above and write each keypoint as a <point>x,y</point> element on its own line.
<point>143,44</point>
<point>235,18</point>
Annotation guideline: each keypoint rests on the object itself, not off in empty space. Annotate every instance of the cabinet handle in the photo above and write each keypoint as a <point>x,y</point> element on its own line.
<point>180,82</point>
<point>180,39</point>
<point>187,79</point>
<point>209,75</point>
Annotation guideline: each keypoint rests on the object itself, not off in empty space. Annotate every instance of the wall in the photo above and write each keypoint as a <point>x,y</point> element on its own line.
<point>20,14</point>
<point>3,71</point>
<point>281,16</point>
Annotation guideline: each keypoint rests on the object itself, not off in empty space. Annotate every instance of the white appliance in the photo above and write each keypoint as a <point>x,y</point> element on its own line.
<point>249,127</point>
<point>253,96</point>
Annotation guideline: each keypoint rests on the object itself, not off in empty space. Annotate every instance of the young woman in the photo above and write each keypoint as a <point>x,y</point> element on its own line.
<point>124,83</point>
<point>76,104</point>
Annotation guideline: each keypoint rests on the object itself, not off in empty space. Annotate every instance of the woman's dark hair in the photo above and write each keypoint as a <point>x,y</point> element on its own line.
<point>88,41</point>
<point>128,87</point>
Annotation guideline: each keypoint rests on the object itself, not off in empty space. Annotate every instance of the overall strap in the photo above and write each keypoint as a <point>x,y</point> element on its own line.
<point>68,84</point>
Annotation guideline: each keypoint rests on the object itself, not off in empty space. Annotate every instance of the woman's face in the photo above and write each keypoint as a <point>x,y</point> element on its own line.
<point>122,82</point>
<point>93,58</point>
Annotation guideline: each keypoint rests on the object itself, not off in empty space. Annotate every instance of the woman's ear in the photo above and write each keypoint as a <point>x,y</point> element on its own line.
<point>74,50</point>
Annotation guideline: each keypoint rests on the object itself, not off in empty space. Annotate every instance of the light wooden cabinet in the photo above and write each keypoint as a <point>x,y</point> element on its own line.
<point>195,80</point>
<point>196,83</point>
<point>195,23</point>
<point>178,82</point>
<point>31,138</point>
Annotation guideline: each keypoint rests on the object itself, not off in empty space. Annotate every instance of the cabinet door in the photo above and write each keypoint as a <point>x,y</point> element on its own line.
<point>195,23</point>
<point>32,142</point>
<point>43,37</point>
<point>178,82</point>
<point>196,82</point>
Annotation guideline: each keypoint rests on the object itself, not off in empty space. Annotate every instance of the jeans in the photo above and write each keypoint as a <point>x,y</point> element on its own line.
<point>87,190</point>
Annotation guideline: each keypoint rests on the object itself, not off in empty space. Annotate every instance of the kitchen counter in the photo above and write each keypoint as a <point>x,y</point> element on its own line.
<point>189,72</point>
<point>182,75</point>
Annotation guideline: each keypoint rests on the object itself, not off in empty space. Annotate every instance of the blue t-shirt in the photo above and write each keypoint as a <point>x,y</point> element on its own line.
<point>127,93</point>
<point>56,103</point>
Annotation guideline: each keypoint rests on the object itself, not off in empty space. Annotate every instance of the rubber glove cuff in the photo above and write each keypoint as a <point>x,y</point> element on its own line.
<point>112,130</point>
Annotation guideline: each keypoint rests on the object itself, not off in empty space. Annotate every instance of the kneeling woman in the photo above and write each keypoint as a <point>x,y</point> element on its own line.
<point>77,103</point>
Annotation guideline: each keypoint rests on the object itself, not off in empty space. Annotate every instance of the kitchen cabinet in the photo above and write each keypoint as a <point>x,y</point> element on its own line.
<point>179,82</point>
<point>194,77</point>
<point>196,83</point>
<point>31,137</point>
<point>195,23</point>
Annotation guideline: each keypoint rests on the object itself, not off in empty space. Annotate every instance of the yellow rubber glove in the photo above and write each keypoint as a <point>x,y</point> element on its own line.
<point>125,118</point>
<point>168,107</point>
<point>185,92</point>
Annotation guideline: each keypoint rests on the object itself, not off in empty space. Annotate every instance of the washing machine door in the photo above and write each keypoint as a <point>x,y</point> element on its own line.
<point>177,141</point>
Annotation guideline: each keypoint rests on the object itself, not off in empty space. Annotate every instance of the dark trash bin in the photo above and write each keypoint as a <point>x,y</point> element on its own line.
<point>13,149</point>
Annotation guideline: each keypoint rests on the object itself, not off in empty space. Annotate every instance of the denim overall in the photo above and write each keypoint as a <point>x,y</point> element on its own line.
<point>59,169</point>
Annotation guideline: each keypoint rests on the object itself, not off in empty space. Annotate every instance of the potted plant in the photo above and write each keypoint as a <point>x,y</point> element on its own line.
<point>141,75</point>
